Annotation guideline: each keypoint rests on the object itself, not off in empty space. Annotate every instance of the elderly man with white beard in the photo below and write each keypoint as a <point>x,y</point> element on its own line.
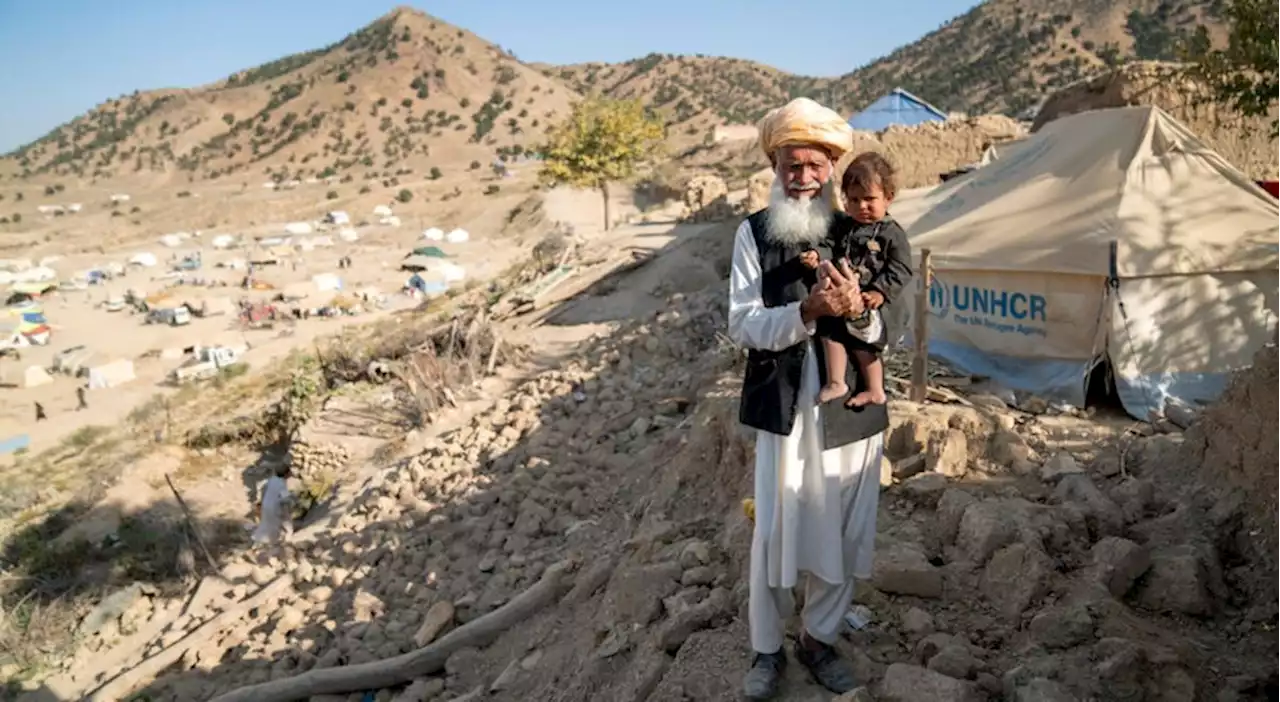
<point>817,475</point>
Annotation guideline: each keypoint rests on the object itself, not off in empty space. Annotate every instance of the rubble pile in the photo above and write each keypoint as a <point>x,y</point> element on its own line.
<point>706,199</point>
<point>1245,142</point>
<point>315,469</point>
<point>1021,555</point>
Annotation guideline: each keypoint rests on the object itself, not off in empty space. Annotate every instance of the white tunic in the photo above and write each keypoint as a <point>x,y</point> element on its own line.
<point>275,506</point>
<point>818,507</point>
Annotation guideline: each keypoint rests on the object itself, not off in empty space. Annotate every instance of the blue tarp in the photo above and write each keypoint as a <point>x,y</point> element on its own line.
<point>15,443</point>
<point>898,107</point>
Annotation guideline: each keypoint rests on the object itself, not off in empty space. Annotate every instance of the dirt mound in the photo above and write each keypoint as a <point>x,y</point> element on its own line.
<point>922,152</point>
<point>1234,444</point>
<point>1245,142</point>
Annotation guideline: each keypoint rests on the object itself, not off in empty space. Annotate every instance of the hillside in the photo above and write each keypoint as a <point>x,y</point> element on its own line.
<point>1001,56</point>
<point>405,87</point>
<point>409,90</point>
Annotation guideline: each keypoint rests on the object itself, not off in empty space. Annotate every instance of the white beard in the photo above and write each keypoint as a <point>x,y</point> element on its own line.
<point>798,221</point>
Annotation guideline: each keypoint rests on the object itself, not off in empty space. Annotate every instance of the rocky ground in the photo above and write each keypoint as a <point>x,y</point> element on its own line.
<point>582,539</point>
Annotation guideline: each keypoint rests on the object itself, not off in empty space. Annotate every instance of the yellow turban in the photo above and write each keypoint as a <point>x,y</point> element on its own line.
<point>803,121</point>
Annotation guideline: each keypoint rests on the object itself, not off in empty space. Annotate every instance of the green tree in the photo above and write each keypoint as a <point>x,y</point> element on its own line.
<point>404,195</point>
<point>602,141</point>
<point>1242,76</point>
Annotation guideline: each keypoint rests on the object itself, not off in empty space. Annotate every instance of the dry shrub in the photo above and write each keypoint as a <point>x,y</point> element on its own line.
<point>458,353</point>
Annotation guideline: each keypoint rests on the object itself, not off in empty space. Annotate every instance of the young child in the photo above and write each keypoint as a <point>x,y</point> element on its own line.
<point>274,517</point>
<point>880,256</point>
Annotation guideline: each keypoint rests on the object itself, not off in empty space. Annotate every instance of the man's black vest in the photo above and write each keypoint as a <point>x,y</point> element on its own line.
<point>771,387</point>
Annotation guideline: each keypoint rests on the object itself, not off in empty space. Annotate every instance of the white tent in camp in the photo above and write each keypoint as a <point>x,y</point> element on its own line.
<point>146,259</point>
<point>109,375</point>
<point>1111,235</point>
<point>35,376</point>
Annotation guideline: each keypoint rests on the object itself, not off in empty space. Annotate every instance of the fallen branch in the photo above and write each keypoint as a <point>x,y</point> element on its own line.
<point>119,687</point>
<point>191,524</point>
<point>424,661</point>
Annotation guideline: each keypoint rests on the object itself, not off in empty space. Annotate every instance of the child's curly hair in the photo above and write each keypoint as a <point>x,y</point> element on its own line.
<point>867,170</point>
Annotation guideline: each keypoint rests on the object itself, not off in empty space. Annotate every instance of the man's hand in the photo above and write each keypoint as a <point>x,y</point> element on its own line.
<point>810,259</point>
<point>837,295</point>
<point>872,299</point>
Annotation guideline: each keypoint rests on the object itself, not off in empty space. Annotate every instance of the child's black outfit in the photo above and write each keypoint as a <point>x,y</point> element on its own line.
<point>880,255</point>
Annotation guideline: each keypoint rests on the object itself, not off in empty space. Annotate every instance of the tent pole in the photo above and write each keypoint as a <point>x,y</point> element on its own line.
<point>920,362</point>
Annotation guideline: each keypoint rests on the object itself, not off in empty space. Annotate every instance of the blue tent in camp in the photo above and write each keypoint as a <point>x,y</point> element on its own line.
<point>898,107</point>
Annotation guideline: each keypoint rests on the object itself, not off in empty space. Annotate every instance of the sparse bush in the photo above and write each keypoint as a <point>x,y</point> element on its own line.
<point>184,193</point>
<point>404,195</point>
<point>492,189</point>
<point>229,118</point>
<point>365,190</point>
<point>475,166</point>
<point>331,195</point>
<point>17,218</point>
<point>435,173</point>
<point>343,76</point>
<point>407,103</point>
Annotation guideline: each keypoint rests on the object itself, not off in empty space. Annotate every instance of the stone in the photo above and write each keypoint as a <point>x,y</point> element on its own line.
<point>679,628</point>
<point>367,606</point>
<point>1041,690</point>
<point>911,683</point>
<point>695,553</point>
<point>699,575</point>
<point>909,466</point>
<point>288,619</point>
<point>1103,516</point>
<point>985,527</point>
<point>1016,576</point>
<point>951,507</point>
<point>421,690</point>
<point>1117,563</point>
<point>948,454</point>
<point>439,616</point>
<point>1178,582</point>
<point>917,622</point>
<point>1010,450</point>
<point>857,694</point>
<point>954,661</point>
<point>924,489</point>
<point>1058,465</point>
<point>1062,627</point>
<point>903,569</point>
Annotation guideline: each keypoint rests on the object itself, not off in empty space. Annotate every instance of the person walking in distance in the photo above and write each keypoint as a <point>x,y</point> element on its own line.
<point>816,464</point>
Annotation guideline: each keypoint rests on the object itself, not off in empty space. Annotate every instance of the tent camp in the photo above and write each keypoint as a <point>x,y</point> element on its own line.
<point>1114,235</point>
<point>897,108</point>
<point>109,375</point>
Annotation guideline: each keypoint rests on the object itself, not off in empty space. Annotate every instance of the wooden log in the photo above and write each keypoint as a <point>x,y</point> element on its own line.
<point>424,661</point>
<point>920,363</point>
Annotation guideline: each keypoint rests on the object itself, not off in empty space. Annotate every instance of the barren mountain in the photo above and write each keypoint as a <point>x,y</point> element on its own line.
<point>405,86</point>
<point>410,89</point>
<point>1001,56</point>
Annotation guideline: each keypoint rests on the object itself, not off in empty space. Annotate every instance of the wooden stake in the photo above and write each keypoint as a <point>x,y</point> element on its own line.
<point>920,364</point>
<point>191,524</point>
<point>493,355</point>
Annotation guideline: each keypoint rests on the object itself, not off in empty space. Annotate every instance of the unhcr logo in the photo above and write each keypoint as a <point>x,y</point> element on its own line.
<point>939,298</point>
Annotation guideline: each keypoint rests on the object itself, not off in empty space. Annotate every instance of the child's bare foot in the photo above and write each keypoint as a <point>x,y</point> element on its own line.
<point>867,397</point>
<point>832,391</point>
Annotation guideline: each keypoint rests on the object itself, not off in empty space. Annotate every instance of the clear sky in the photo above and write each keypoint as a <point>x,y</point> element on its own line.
<point>62,57</point>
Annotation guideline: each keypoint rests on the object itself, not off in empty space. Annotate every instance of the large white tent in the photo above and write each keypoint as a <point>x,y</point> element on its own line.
<point>1109,235</point>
